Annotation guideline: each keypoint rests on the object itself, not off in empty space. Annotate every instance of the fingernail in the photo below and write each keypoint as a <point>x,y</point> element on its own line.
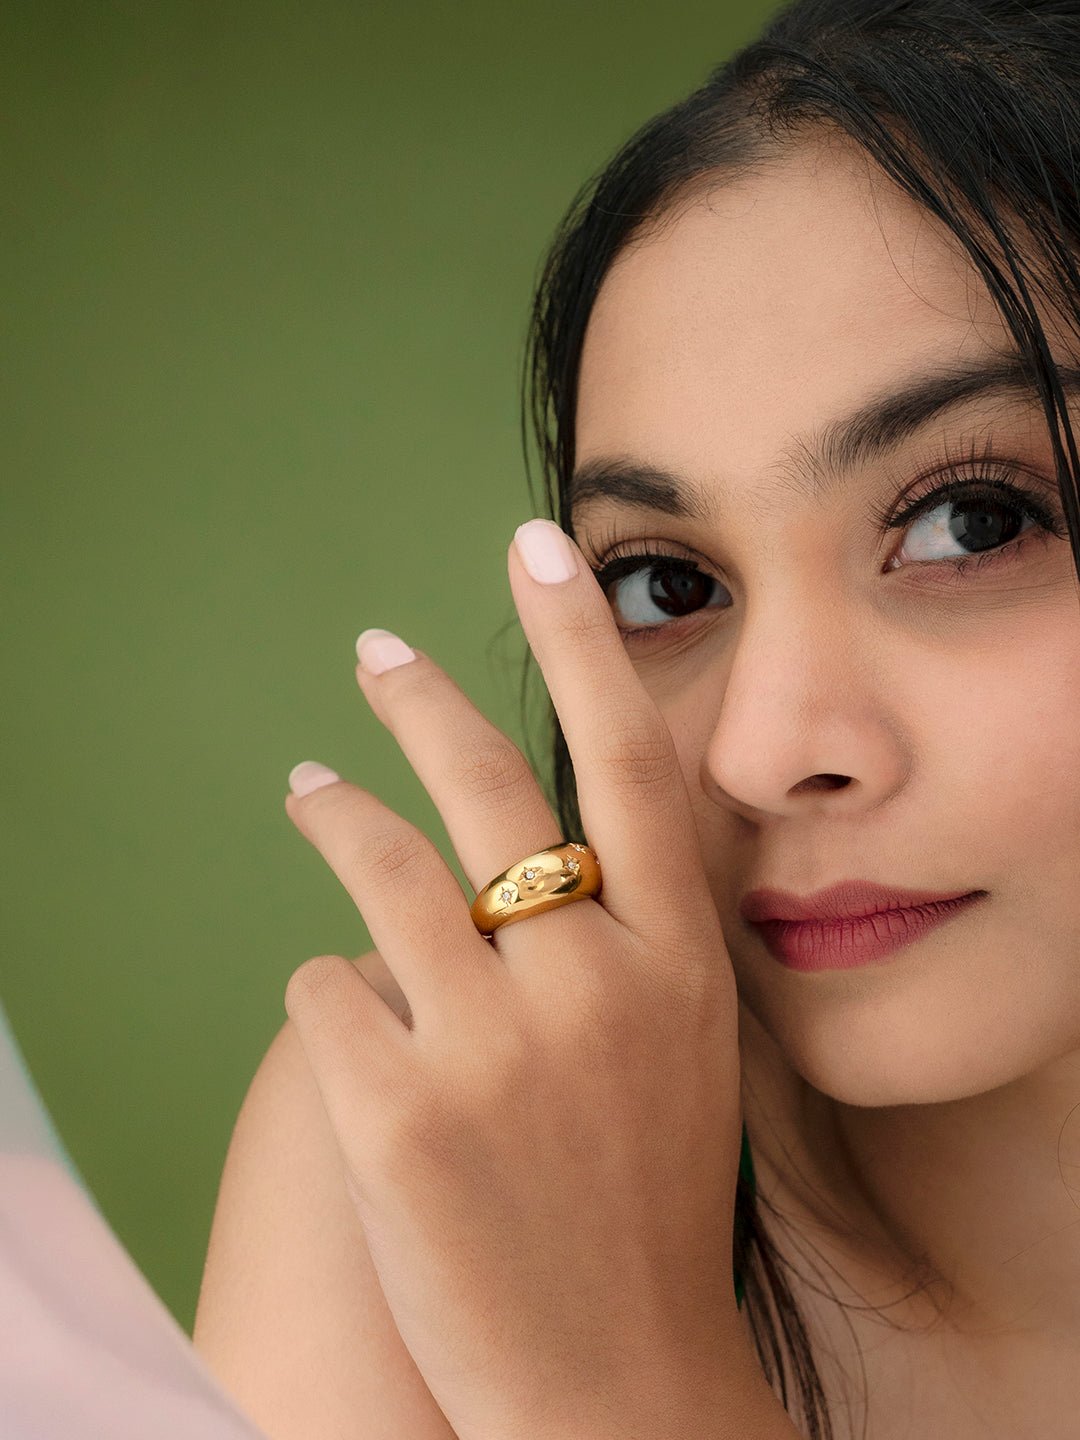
<point>379,650</point>
<point>545,551</point>
<point>310,775</point>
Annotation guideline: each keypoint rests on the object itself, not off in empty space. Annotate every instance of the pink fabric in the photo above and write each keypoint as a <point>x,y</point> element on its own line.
<point>87,1349</point>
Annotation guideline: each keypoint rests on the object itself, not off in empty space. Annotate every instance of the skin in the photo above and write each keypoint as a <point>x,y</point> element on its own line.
<point>917,1118</point>
<point>540,1193</point>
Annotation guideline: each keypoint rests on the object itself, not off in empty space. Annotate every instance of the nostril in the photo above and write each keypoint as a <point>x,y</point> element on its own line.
<point>822,782</point>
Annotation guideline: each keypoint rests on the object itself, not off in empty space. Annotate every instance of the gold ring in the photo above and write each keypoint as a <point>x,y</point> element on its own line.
<point>556,876</point>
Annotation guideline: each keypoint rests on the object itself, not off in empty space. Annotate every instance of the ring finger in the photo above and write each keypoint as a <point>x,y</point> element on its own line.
<point>483,787</point>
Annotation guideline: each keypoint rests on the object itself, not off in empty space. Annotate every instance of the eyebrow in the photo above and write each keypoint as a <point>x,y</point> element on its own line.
<point>877,427</point>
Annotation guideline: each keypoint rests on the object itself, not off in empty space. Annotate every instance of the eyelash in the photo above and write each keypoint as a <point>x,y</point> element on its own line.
<point>988,485</point>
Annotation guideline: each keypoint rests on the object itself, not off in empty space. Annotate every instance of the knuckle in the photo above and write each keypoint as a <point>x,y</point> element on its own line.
<point>493,771</point>
<point>588,627</point>
<point>308,979</point>
<point>393,854</point>
<point>637,753</point>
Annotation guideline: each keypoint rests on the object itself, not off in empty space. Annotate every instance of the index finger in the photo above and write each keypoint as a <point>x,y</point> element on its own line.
<point>635,808</point>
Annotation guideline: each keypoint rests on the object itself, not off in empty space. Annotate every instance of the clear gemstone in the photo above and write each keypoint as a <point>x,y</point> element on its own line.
<point>574,865</point>
<point>506,895</point>
<point>530,874</point>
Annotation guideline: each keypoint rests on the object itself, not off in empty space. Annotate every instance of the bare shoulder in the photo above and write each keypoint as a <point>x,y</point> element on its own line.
<point>291,1318</point>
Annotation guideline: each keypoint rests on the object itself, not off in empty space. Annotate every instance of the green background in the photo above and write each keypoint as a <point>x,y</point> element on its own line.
<point>266,272</point>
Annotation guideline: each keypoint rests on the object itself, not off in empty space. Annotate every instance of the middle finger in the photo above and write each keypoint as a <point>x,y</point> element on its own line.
<point>482,785</point>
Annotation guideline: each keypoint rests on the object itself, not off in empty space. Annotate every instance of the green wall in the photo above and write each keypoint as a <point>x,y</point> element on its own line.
<point>266,270</point>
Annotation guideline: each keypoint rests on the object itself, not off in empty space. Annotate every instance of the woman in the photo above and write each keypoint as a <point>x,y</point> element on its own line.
<point>801,369</point>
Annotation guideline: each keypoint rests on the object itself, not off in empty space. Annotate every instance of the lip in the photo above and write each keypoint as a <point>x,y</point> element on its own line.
<point>853,923</point>
<point>847,900</point>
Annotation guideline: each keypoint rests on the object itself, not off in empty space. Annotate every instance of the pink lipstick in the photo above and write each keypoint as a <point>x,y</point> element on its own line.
<point>853,923</point>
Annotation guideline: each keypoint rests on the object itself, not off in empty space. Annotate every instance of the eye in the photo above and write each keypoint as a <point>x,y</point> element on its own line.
<point>647,580</point>
<point>984,512</point>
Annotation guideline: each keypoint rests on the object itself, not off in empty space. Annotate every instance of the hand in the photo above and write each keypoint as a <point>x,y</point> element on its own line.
<point>545,1162</point>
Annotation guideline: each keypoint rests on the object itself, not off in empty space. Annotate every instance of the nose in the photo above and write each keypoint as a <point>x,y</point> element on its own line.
<point>810,713</point>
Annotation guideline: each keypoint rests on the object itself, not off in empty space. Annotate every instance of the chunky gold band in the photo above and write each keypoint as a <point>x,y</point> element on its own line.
<point>555,876</point>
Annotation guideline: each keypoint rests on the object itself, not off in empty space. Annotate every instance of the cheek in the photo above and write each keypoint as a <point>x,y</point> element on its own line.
<point>1017,766</point>
<point>987,715</point>
<point>989,718</point>
<point>987,723</point>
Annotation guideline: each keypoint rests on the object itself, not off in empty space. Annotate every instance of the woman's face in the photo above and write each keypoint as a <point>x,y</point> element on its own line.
<point>730,347</point>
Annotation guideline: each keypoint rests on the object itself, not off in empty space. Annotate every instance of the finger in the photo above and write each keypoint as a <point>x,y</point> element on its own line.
<point>408,896</point>
<point>331,1001</point>
<point>490,801</point>
<point>634,805</point>
<point>353,1042</point>
<point>379,976</point>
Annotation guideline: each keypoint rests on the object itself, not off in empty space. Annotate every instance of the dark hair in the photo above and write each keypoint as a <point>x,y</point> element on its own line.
<point>973,108</point>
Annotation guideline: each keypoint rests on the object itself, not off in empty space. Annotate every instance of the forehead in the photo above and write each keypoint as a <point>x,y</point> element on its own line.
<point>775,302</point>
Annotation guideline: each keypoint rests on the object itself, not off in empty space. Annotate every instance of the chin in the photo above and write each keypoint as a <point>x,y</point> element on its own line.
<point>922,1038</point>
